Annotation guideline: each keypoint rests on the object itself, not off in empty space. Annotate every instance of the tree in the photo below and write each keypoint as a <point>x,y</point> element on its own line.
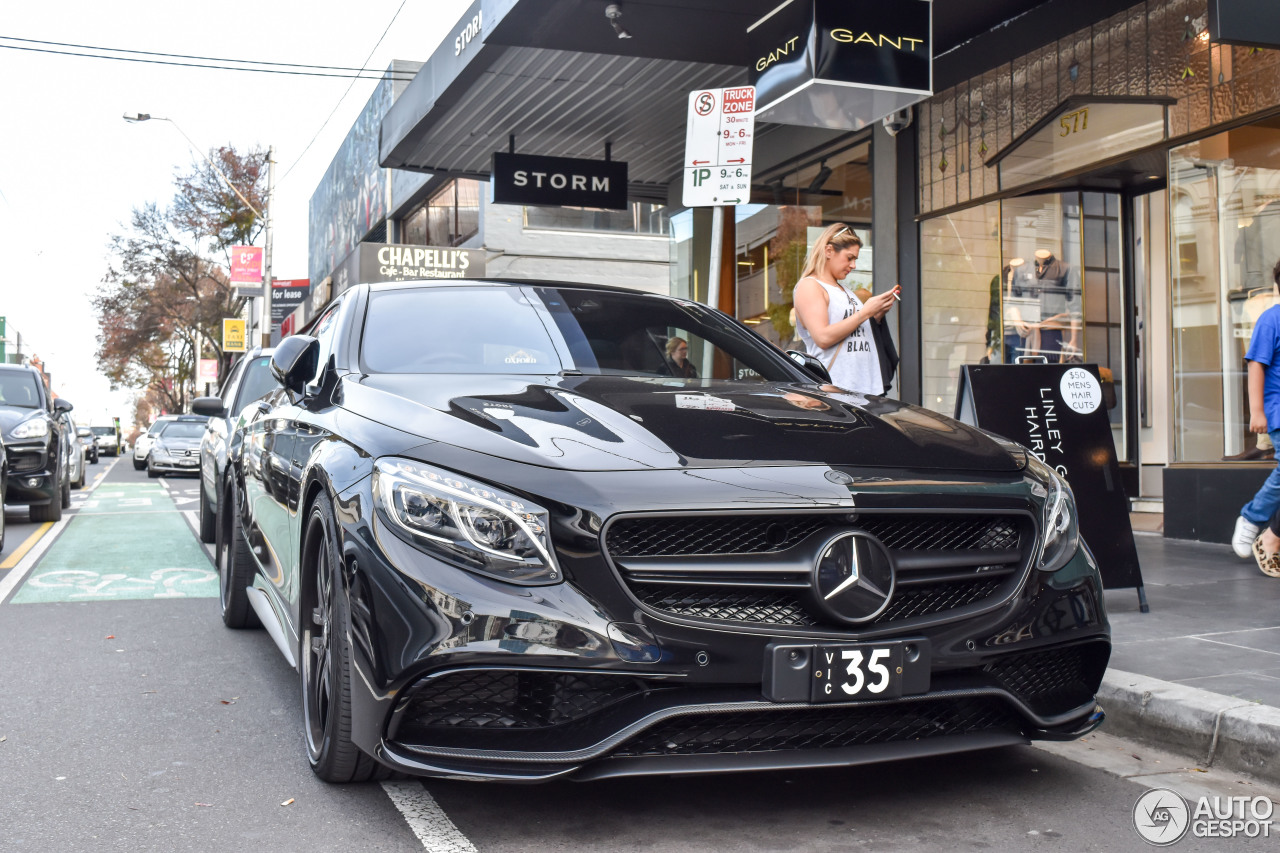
<point>166,292</point>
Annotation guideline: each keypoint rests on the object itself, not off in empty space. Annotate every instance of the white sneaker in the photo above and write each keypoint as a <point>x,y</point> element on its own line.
<point>1242,539</point>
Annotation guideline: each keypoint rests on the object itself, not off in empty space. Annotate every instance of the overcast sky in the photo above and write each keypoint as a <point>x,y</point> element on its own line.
<point>71,169</point>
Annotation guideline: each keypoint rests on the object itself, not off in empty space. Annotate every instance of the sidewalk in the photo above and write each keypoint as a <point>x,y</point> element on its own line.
<point>1200,673</point>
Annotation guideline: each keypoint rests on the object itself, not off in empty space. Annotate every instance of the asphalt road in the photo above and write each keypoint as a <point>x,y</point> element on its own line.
<point>131,719</point>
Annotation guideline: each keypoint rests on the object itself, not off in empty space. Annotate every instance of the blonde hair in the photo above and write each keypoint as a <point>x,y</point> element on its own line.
<point>839,237</point>
<point>673,344</point>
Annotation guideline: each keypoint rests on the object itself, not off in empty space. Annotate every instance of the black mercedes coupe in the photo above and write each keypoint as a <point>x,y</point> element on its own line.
<point>501,535</point>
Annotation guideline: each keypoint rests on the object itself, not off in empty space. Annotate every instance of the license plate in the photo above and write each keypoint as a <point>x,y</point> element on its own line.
<point>186,462</point>
<point>851,671</point>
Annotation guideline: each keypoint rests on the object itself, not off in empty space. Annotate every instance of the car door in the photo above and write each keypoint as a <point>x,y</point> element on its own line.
<point>268,453</point>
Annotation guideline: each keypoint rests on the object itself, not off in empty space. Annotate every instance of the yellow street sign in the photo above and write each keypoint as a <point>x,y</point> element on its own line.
<point>233,335</point>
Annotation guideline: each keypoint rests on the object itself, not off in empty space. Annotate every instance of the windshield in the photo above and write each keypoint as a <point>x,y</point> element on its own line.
<point>541,330</point>
<point>258,382</point>
<point>19,389</point>
<point>185,429</point>
<point>103,430</point>
<point>158,427</point>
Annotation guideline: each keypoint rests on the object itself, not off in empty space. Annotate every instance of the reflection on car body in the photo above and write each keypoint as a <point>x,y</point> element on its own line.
<point>500,538</point>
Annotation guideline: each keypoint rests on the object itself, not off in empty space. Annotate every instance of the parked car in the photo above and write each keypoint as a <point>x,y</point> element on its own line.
<point>249,380</point>
<point>142,446</point>
<point>86,437</point>
<point>74,450</point>
<point>498,537</point>
<point>107,440</point>
<point>34,439</point>
<point>177,448</point>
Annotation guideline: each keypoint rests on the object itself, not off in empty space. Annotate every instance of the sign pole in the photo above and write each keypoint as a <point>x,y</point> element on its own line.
<point>266,259</point>
<point>713,274</point>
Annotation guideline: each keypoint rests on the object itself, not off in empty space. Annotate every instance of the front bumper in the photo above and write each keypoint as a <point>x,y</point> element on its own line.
<point>473,678</point>
<point>175,464</point>
<point>32,477</point>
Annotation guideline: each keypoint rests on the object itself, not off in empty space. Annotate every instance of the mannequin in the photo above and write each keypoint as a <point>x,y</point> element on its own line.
<point>1021,313</point>
<point>1059,316</point>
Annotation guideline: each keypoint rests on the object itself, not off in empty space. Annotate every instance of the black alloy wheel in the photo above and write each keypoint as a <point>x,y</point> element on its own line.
<point>235,563</point>
<point>208,522</point>
<point>326,657</point>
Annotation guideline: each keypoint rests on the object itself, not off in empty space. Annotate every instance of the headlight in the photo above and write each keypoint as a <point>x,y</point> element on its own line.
<point>1061,532</point>
<point>34,428</point>
<point>478,527</point>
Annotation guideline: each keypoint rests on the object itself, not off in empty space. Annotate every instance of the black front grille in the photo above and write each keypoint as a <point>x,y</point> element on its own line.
<point>820,728</point>
<point>24,461</point>
<point>1052,679</point>
<point>731,577</point>
<point>505,699</point>
<point>712,534</point>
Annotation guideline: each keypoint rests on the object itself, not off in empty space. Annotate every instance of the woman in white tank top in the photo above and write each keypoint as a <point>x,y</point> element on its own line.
<point>832,322</point>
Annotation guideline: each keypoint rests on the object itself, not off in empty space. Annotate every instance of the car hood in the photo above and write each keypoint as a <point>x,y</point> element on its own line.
<point>589,423</point>
<point>11,416</point>
<point>177,445</point>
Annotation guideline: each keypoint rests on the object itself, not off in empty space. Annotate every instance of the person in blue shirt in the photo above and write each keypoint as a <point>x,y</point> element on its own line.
<point>1264,417</point>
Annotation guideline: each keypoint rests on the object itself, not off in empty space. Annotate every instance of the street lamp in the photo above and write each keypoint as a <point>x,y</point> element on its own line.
<point>264,215</point>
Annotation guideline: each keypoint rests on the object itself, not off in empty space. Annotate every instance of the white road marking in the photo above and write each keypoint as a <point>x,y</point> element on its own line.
<point>427,820</point>
<point>18,572</point>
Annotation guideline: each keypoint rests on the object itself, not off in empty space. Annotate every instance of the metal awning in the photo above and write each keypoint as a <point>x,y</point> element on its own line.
<point>555,74</point>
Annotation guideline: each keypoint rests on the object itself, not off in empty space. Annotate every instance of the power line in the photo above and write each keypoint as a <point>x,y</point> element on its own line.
<point>377,76</point>
<point>344,95</point>
<point>181,55</point>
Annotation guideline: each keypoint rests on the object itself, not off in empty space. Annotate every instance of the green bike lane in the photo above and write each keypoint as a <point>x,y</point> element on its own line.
<point>125,540</point>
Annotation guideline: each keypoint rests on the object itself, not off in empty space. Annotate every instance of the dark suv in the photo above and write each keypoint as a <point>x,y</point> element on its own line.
<point>34,441</point>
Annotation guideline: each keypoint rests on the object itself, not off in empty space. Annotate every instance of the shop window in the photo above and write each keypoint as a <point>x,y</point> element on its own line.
<point>1034,279</point>
<point>639,218</point>
<point>448,218</point>
<point>1225,224</point>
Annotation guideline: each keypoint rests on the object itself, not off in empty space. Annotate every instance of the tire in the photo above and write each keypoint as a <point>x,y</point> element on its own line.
<point>325,657</point>
<point>3,476</point>
<point>152,472</point>
<point>208,522</point>
<point>138,466</point>
<point>52,511</point>
<point>84,471</point>
<point>65,496</point>
<point>235,564</point>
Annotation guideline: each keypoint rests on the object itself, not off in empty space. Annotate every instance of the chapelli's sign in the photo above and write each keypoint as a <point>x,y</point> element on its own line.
<point>841,63</point>
<point>558,181</point>
<point>398,262</point>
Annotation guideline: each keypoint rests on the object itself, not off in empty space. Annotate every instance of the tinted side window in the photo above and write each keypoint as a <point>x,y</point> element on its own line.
<point>324,332</point>
<point>233,377</point>
<point>258,382</point>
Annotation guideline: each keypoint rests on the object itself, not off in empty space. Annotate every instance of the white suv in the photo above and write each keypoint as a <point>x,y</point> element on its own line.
<point>142,446</point>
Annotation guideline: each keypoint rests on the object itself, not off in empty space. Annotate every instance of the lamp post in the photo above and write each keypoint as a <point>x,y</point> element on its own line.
<point>264,215</point>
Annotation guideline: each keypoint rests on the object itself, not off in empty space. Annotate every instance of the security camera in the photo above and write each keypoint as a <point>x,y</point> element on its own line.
<point>897,121</point>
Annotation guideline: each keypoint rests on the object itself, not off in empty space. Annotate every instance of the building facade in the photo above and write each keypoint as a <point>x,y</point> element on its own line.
<point>1091,181</point>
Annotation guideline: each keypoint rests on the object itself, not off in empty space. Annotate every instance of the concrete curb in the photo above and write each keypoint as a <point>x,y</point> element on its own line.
<point>1212,729</point>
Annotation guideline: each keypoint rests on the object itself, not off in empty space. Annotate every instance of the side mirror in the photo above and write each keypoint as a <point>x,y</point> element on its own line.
<point>84,432</point>
<point>294,362</point>
<point>209,406</point>
<point>810,365</point>
<point>61,405</point>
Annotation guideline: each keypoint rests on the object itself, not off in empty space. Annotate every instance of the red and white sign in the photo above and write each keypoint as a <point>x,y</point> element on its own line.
<point>208,370</point>
<point>246,265</point>
<point>718,141</point>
